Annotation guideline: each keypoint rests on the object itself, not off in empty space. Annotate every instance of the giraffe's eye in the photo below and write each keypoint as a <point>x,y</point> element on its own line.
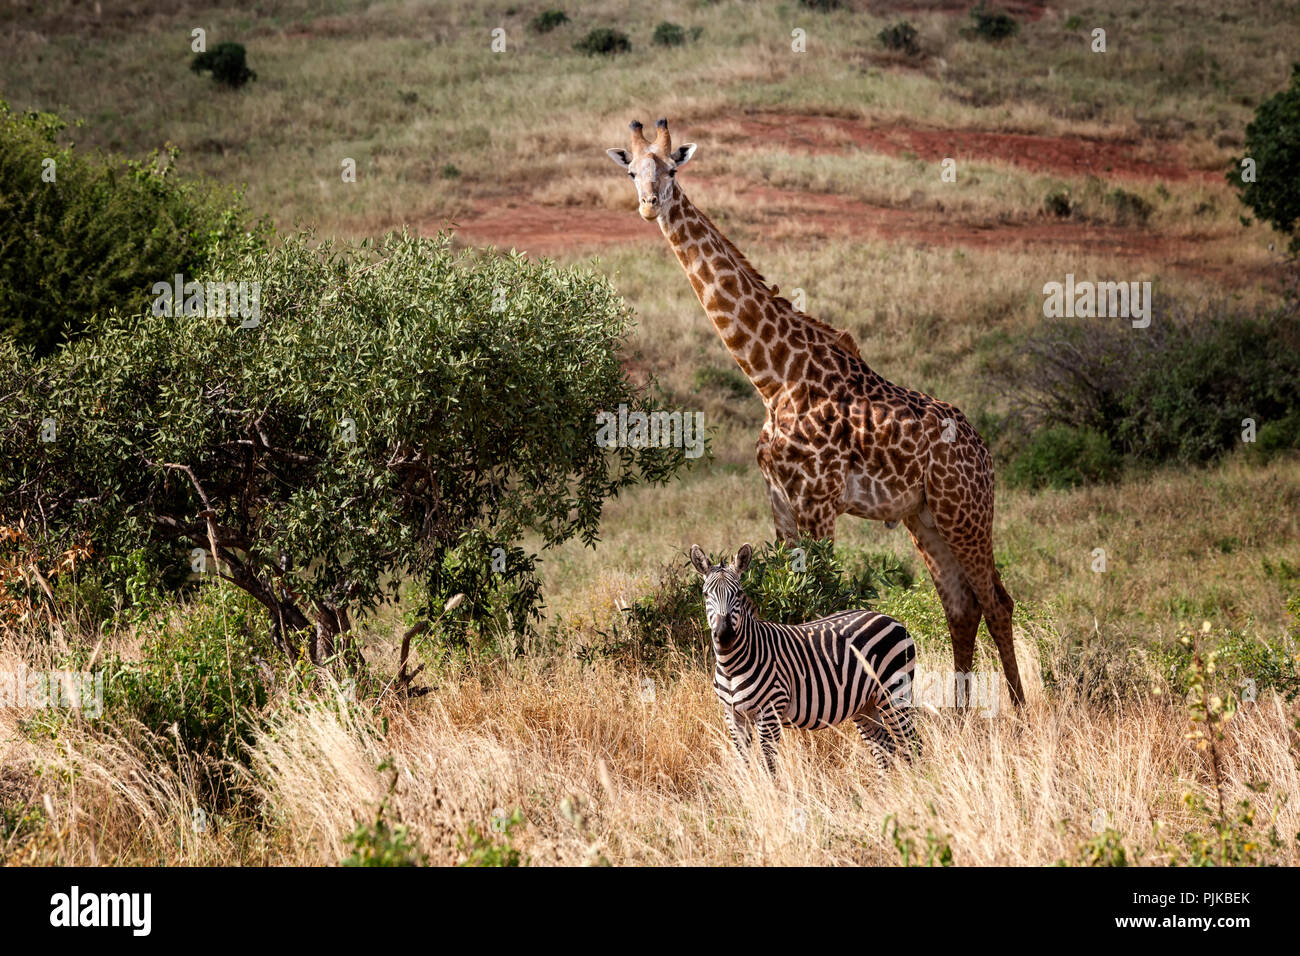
<point>672,173</point>
<point>631,175</point>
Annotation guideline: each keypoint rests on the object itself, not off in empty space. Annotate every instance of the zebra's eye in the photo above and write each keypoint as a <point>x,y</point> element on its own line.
<point>631,175</point>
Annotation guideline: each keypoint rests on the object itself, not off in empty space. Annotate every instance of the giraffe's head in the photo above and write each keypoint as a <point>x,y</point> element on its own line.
<point>652,166</point>
<point>723,597</point>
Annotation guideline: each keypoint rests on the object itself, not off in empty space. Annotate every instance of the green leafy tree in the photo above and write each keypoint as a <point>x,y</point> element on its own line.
<point>85,234</point>
<point>398,412</point>
<point>1273,146</point>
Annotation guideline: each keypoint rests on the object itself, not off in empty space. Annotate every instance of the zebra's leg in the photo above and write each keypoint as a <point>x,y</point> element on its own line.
<point>741,729</point>
<point>769,736</point>
<point>875,736</point>
<point>900,729</point>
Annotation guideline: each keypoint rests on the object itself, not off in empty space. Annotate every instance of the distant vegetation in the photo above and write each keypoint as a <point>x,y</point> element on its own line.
<point>1273,145</point>
<point>227,64</point>
<point>86,234</point>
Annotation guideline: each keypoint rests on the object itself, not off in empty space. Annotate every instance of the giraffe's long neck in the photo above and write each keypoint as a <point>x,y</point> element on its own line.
<point>754,324</point>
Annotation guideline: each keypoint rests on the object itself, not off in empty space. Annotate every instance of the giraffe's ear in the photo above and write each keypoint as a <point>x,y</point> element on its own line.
<point>682,154</point>
<point>700,562</point>
<point>742,558</point>
<point>620,156</point>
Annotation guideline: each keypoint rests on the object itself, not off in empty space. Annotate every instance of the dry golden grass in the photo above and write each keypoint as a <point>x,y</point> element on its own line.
<point>600,772</point>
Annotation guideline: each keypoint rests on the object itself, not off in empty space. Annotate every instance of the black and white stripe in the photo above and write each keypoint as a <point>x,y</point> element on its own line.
<point>855,665</point>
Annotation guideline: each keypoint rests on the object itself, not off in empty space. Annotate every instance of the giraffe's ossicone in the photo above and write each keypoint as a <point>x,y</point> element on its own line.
<point>839,438</point>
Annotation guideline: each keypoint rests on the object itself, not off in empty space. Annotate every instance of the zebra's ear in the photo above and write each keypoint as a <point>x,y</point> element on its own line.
<point>742,558</point>
<point>698,559</point>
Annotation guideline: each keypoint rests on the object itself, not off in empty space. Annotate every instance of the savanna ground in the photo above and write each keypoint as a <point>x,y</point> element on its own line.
<point>824,168</point>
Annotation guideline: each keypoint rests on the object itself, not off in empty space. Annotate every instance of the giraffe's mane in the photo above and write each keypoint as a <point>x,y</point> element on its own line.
<point>836,338</point>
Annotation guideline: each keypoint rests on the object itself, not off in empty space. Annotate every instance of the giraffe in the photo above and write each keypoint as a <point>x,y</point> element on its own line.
<point>838,437</point>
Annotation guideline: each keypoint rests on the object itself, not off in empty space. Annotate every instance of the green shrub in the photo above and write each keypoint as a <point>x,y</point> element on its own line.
<point>1236,664</point>
<point>1129,208</point>
<point>548,20</point>
<point>1178,390</point>
<point>604,41</point>
<point>669,34</point>
<point>993,24</point>
<point>226,63</point>
<point>1273,142</point>
<point>822,6</point>
<point>787,583</point>
<point>1278,435</point>
<point>1058,203</point>
<point>201,676</point>
<point>727,380</point>
<point>101,234</point>
<point>901,37</point>
<point>480,849</point>
<point>1064,457</point>
<point>398,404</point>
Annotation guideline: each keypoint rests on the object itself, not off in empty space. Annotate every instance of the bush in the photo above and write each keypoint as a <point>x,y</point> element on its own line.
<point>225,62</point>
<point>399,407</point>
<point>993,24</point>
<point>786,585</point>
<point>1058,203</point>
<point>1064,457</point>
<point>1273,142</point>
<point>669,34</point>
<point>1130,208</point>
<point>822,6</point>
<point>198,676</point>
<point>901,37</point>
<point>548,20</point>
<point>1178,390</point>
<point>604,41</point>
<point>101,234</point>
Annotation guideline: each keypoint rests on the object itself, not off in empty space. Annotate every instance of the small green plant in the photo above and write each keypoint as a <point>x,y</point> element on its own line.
<point>604,41</point>
<point>226,63</point>
<point>1073,22</point>
<point>822,6</point>
<point>1225,840</point>
<point>937,850</point>
<point>1058,203</point>
<point>379,843</point>
<point>479,849</point>
<point>669,34</point>
<point>450,171</point>
<point>993,24</point>
<point>548,20</point>
<point>1104,849</point>
<point>1064,457</point>
<point>901,37</point>
<point>1272,151</point>
<point>1129,208</point>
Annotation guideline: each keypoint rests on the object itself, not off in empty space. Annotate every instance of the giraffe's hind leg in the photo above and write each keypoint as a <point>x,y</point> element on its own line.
<point>970,540</point>
<point>960,605</point>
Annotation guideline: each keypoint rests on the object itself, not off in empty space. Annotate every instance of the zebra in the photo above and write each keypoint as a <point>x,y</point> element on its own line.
<point>852,665</point>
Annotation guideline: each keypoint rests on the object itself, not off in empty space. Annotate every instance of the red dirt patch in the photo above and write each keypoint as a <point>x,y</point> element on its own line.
<point>1076,156</point>
<point>781,213</point>
<point>546,230</point>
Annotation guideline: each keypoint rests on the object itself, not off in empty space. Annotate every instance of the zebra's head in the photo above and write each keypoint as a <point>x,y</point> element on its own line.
<point>723,597</point>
